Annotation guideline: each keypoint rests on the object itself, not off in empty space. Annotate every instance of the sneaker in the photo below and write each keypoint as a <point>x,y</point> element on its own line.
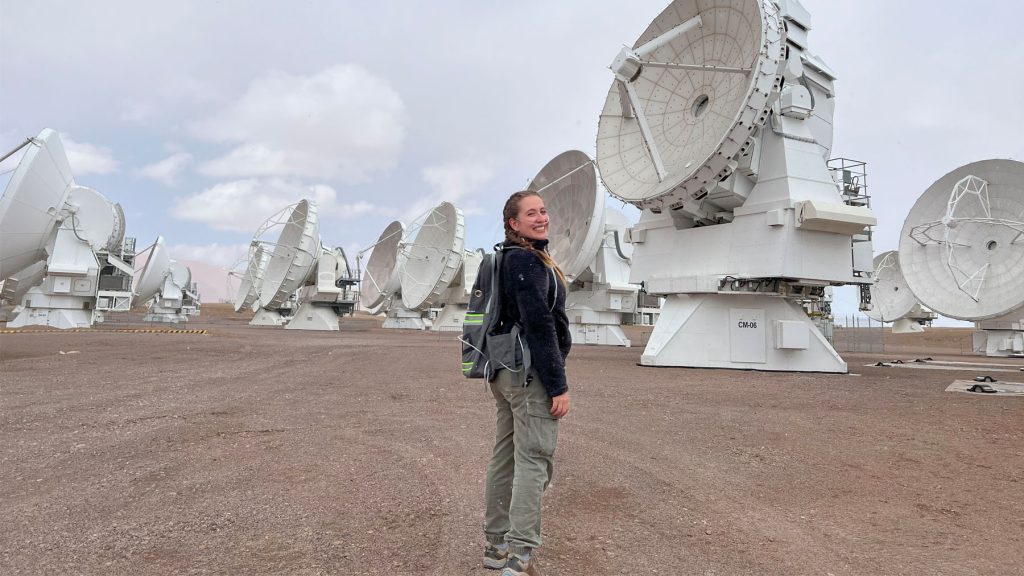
<point>495,556</point>
<point>519,566</point>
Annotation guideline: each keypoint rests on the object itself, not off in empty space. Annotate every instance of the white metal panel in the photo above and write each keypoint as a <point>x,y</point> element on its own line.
<point>747,341</point>
<point>791,335</point>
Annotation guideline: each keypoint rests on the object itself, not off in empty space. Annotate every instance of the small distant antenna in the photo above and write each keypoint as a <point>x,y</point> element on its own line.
<point>891,297</point>
<point>433,257</point>
<point>584,239</point>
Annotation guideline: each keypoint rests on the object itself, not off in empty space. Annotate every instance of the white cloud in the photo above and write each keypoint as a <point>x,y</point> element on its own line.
<point>452,182</point>
<point>223,255</point>
<point>135,112</point>
<point>88,158</point>
<point>242,205</point>
<point>340,124</point>
<point>167,170</point>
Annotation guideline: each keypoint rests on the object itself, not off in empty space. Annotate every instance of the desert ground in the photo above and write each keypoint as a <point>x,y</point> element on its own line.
<point>254,450</point>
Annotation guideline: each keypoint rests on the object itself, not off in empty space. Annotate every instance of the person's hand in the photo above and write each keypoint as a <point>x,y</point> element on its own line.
<point>560,405</point>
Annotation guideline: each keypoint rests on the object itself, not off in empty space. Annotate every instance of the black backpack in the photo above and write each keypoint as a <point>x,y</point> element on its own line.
<point>483,351</point>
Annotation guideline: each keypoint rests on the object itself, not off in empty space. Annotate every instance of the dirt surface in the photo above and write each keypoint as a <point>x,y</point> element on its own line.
<point>263,451</point>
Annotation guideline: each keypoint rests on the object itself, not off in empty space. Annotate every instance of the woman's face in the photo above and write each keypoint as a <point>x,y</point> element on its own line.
<point>532,221</point>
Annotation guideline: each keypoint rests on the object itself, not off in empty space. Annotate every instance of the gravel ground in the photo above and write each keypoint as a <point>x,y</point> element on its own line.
<point>262,451</point>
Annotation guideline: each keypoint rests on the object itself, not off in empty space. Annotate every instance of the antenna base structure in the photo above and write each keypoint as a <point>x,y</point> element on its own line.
<point>332,295</point>
<point>742,216</point>
<point>1000,337</point>
<point>750,332</point>
<point>601,297</point>
<point>309,316</point>
<point>176,308</point>
<point>264,317</point>
<point>449,318</point>
<point>399,318</point>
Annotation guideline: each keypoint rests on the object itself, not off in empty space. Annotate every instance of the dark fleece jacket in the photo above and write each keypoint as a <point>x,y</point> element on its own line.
<point>536,299</point>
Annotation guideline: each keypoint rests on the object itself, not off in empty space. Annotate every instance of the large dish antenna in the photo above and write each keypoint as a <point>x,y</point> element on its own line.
<point>687,97</point>
<point>433,257</point>
<point>381,280</point>
<point>293,254</point>
<point>568,185</point>
<point>157,267</point>
<point>718,125</point>
<point>962,244</point>
<point>76,231</point>
<point>30,208</point>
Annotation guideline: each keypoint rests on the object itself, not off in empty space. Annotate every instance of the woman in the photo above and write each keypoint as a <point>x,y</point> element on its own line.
<point>528,404</point>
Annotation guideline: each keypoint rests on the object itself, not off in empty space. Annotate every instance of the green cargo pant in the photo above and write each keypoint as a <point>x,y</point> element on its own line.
<point>522,463</point>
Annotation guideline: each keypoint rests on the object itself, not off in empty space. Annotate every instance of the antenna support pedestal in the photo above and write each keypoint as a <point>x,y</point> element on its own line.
<point>310,316</point>
<point>405,319</point>
<point>746,332</point>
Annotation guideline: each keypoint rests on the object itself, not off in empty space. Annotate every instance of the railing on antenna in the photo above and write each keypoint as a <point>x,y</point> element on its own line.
<point>852,178</point>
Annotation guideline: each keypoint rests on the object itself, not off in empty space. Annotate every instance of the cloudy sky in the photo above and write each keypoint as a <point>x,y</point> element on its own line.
<point>203,118</point>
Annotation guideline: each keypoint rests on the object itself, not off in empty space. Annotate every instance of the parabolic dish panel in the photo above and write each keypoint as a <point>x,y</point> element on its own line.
<point>157,267</point>
<point>891,297</point>
<point>380,279</point>
<point>988,257</point>
<point>293,257</point>
<point>433,258</point>
<point>31,203</point>
<point>181,274</point>
<point>575,205</point>
<point>96,219</point>
<point>699,119</point>
<point>254,268</point>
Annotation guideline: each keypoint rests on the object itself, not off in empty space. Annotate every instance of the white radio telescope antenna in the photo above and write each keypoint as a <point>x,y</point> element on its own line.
<point>295,271</point>
<point>293,255</point>
<point>155,271</point>
<point>437,271</point>
<point>165,285</point>
<point>962,251</point>
<point>380,280</point>
<point>381,286</point>
<point>289,244</point>
<point>584,242</point>
<point>46,217</point>
<point>891,297</point>
<point>433,257</point>
<point>718,126</point>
